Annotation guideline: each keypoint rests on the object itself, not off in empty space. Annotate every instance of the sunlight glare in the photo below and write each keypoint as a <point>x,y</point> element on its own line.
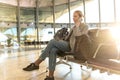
<point>115,31</point>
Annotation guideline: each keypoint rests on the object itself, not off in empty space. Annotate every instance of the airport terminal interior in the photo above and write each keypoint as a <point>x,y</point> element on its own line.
<point>27,26</point>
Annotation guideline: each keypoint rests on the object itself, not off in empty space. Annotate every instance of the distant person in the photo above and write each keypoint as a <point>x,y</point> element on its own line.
<point>60,45</point>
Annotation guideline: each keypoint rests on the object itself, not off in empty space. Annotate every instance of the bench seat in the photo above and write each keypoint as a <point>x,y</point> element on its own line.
<point>105,58</point>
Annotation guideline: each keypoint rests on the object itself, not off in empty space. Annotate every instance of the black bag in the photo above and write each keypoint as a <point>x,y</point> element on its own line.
<point>61,34</point>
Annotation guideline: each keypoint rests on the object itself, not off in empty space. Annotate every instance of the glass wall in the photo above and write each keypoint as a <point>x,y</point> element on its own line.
<point>103,13</point>
<point>35,19</point>
<point>61,12</point>
<point>27,20</point>
<point>46,15</point>
<point>107,11</point>
<point>7,22</point>
<point>117,6</point>
<point>92,11</point>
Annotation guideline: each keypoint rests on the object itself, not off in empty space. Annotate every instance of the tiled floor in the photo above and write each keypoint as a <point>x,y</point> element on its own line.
<point>12,61</point>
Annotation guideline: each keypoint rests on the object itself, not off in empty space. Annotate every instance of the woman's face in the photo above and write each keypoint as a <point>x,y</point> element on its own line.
<point>76,17</point>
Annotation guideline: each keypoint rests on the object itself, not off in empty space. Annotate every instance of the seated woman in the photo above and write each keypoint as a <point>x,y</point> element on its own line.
<point>55,45</point>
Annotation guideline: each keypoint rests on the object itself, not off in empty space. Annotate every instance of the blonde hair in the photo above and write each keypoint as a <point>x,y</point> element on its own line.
<point>79,13</point>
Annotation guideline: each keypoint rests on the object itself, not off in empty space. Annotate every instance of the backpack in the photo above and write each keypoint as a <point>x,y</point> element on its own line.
<point>61,34</point>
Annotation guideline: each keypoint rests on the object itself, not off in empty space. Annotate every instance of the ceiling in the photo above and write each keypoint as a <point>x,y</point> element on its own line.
<point>8,9</point>
<point>42,3</point>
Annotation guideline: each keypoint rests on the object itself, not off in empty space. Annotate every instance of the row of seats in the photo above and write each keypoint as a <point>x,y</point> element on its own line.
<point>98,49</point>
<point>27,43</point>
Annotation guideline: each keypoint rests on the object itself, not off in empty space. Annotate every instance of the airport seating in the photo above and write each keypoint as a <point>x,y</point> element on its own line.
<point>28,43</point>
<point>102,54</point>
<point>97,51</point>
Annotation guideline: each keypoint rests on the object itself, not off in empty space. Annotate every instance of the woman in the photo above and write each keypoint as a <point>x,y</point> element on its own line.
<point>65,46</point>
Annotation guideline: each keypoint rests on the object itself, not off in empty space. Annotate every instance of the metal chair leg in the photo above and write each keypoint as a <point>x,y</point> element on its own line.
<point>61,61</point>
<point>86,71</point>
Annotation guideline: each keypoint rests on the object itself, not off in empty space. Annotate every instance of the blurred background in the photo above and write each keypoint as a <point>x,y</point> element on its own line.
<point>37,20</point>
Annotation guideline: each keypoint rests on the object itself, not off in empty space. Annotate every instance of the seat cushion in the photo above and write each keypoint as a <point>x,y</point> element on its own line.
<point>106,63</point>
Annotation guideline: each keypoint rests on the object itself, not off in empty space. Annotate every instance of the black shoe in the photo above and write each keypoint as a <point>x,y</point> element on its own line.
<point>31,67</point>
<point>49,78</point>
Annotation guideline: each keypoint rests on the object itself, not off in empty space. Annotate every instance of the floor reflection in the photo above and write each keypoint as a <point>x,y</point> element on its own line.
<point>12,61</point>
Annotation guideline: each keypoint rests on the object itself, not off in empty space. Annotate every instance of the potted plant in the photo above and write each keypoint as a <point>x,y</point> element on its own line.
<point>9,42</point>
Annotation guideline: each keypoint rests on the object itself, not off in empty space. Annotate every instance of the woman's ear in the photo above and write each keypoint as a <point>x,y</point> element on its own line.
<point>80,19</point>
